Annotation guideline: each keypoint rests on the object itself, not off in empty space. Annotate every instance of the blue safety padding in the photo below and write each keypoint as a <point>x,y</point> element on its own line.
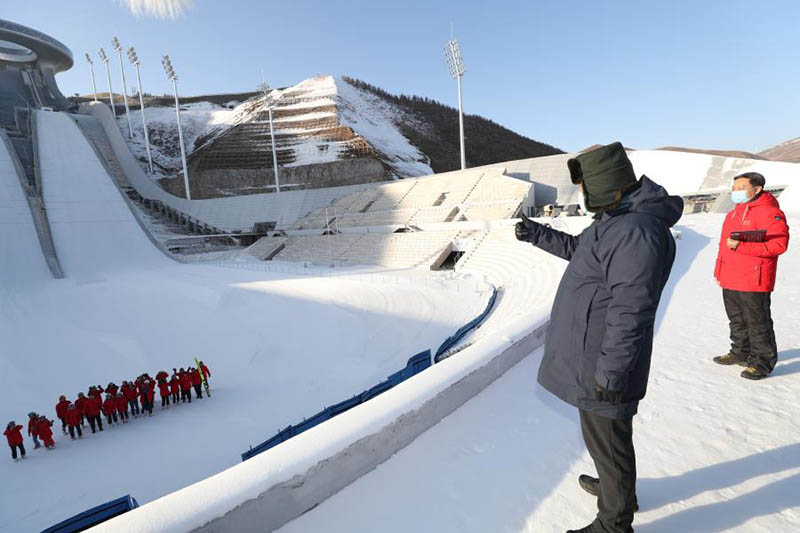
<point>95,515</point>
<point>462,332</point>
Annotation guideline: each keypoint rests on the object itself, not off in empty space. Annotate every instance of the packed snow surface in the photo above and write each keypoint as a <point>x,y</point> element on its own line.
<point>279,347</point>
<point>715,452</point>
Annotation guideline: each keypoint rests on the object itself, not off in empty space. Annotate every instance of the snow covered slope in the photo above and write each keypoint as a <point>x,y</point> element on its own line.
<point>715,452</point>
<point>280,347</point>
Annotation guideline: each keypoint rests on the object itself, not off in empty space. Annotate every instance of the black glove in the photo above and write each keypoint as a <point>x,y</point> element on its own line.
<point>524,229</point>
<point>609,396</point>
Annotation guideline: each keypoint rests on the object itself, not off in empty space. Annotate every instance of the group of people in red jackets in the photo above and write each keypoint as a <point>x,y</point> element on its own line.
<point>132,398</point>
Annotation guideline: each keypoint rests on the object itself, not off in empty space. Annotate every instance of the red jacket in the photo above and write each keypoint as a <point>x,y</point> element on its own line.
<point>80,404</point>
<point>43,427</point>
<point>186,381</point>
<point>33,426</point>
<point>13,435</point>
<point>147,391</point>
<point>61,408</point>
<point>93,406</point>
<point>122,404</point>
<point>163,388</point>
<point>204,369</point>
<point>110,405</point>
<point>129,391</point>
<point>175,385</point>
<point>752,266</point>
<point>73,417</point>
<point>197,379</point>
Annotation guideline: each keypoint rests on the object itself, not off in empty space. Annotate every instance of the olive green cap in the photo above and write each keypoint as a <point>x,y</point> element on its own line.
<point>606,174</point>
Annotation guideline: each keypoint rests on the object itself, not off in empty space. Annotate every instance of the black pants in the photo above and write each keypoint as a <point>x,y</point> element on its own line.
<point>175,397</point>
<point>752,333</point>
<point>14,450</point>
<point>72,431</point>
<point>197,391</point>
<point>95,421</point>
<point>610,443</point>
<point>165,401</point>
<point>186,395</point>
<point>63,424</point>
<point>111,417</point>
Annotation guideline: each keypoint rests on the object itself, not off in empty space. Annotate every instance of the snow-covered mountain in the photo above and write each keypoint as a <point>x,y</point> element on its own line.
<point>788,151</point>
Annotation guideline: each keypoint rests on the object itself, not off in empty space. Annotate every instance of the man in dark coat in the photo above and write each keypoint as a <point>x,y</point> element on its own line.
<point>600,337</point>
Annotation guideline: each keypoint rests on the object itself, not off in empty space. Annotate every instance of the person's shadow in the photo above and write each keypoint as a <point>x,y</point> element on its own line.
<point>769,499</point>
<point>783,368</point>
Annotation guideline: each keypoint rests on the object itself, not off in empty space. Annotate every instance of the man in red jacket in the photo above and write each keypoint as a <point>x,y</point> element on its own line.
<point>754,234</point>
<point>175,387</point>
<point>14,436</point>
<point>33,429</point>
<point>197,381</point>
<point>73,417</point>
<point>186,386</point>
<point>92,407</point>
<point>45,432</point>
<point>80,405</point>
<point>61,411</point>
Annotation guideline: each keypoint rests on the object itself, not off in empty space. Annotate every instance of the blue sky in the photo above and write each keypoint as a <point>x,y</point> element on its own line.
<point>706,74</point>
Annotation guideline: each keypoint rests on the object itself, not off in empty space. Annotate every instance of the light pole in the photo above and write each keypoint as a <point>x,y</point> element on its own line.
<point>118,48</point>
<point>264,87</point>
<point>167,64</point>
<point>91,69</point>
<point>104,59</point>
<point>456,66</point>
<point>135,62</point>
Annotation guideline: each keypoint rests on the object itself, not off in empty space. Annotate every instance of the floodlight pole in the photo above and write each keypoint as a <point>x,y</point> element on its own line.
<point>135,61</point>
<point>167,64</point>
<point>115,44</point>
<point>265,88</point>
<point>104,58</point>
<point>91,69</point>
<point>461,125</point>
<point>456,66</point>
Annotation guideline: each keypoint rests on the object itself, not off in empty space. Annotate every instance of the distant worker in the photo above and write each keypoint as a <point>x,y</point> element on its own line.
<point>61,411</point>
<point>132,396</point>
<point>186,386</point>
<point>164,392</point>
<point>13,434</point>
<point>175,387</point>
<point>73,417</point>
<point>33,429</point>
<point>204,369</point>
<point>93,408</point>
<point>600,337</point>
<point>197,382</point>
<point>80,405</point>
<point>122,407</point>
<point>754,234</point>
<point>45,431</point>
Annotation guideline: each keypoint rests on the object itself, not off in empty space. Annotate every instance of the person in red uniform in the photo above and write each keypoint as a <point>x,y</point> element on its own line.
<point>122,407</point>
<point>204,369</point>
<point>14,436</point>
<point>175,387</point>
<point>110,408</point>
<point>46,432</point>
<point>93,406</point>
<point>754,234</point>
<point>161,375</point>
<point>33,429</point>
<point>61,411</point>
<point>186,386</point>
<point>197,382</point>
<point>132,396</point>
<point>163,390</point>
<point>73,417</point>
<point>94,392</point>
<point>112,389</point>
<point>80,405</point>
<point>147,394</point>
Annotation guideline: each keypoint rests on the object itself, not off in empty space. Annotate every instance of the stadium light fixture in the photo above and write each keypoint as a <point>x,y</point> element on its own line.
<point>455,65</point>
<point>91,69</point>
<point>167,64</point>
<point>104,59</point>
<point>265,88</point>
<point>115,44</point>
<point>134,59</point>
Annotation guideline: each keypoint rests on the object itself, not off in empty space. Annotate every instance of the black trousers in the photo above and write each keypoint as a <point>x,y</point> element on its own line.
<point>752,331</point>
<point>610,443</point>
<point>95,421</point>
<point>197,391</point>
<point>14,450</point>
<point>72,431</point>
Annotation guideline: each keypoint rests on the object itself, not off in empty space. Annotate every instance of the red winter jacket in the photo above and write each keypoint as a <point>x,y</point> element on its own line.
<point>33,427</point>
<point>93,406</point>
<point>61,408</point>
<point>175,385</point>
<point>129,391</point>
<point>163,388</point>
<point>204,369</point>
<point>80,404</point>
<point>186,381</point>
<point>147,391</point>
<point>43,428</point>
<point>13,435</point>
<point>197,379</point>
<point>122,404</point>
<point>752,266</point>
<point>73,417</point>
<point>110,405</point>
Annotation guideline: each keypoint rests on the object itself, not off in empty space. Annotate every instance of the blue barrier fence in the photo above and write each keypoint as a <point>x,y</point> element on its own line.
<point>95,515</point>
<point>462,332</point>
<point>415,365</point>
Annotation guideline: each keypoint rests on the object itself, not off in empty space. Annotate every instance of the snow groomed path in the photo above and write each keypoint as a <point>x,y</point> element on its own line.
<point>280,347</point>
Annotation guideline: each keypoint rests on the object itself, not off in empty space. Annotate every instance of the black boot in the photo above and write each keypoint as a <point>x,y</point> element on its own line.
<point>730,359</point>
<point>754,373</point>
<point>592,486</point>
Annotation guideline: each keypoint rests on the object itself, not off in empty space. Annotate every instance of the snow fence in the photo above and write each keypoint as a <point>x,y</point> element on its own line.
<point>281,483</point>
